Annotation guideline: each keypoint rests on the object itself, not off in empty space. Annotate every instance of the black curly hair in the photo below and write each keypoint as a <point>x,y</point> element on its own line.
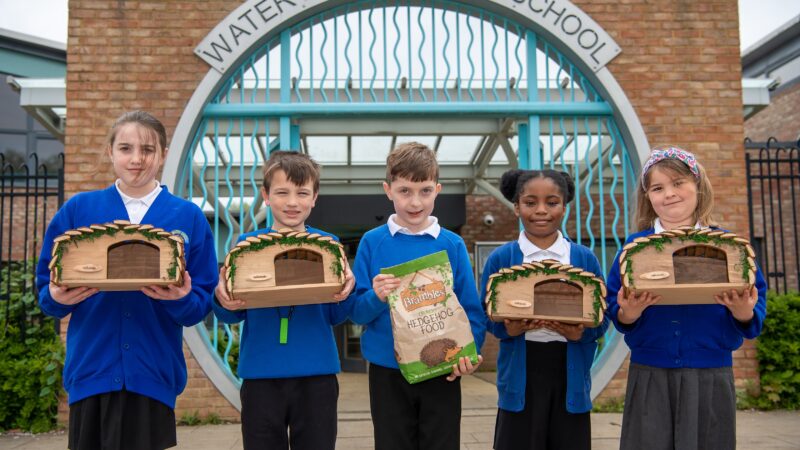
<point>513,182</point>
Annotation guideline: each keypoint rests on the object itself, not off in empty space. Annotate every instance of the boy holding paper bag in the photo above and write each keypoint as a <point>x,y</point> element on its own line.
<point>425,274</point>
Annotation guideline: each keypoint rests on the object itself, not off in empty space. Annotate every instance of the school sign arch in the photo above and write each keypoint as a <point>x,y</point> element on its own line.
<point>496,84</point>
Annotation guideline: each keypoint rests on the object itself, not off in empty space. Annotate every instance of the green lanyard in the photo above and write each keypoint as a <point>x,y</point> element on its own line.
<point>284,333</point>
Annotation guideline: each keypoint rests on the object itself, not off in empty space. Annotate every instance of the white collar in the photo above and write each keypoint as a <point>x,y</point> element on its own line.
<point>433,229</point>
<point>147,199</point>
<point>560,247</point>
<point>658,228</point>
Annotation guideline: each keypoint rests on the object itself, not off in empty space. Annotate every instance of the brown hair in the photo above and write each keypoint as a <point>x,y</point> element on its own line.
<point>645,214</point>
<point>142,118</point>
<point>298,167</point>
<point>413,161</point>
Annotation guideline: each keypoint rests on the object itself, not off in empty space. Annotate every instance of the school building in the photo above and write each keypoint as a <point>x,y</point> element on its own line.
<point>586,87</point>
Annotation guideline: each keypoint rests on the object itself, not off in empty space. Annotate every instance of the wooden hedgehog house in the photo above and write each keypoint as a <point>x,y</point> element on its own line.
<point>687,265</point>
<point>546,290</point>
<point>117,256</point>
<point>285,268</point>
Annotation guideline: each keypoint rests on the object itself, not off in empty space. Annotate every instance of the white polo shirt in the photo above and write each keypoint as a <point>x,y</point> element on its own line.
<point>433,229</point>
<point>137,207</point>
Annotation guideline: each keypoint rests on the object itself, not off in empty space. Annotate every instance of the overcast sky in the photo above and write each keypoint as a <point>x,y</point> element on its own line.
<point>48,18</point>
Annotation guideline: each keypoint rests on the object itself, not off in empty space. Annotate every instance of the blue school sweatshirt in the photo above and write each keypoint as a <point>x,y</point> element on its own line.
<point>127,339</point>
<point>511,367</point>
<point>310,347</point>
<point>694,336</point>
<point>379,249</point>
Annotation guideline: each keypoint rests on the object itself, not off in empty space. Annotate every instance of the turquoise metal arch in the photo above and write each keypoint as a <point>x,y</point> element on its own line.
<point>377,62</point>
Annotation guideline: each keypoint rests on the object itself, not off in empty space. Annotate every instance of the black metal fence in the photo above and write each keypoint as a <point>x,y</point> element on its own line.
<point>773,186</point>
<point>30,195</point>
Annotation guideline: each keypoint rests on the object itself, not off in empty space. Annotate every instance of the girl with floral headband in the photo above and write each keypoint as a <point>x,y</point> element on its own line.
<point>680,390</point>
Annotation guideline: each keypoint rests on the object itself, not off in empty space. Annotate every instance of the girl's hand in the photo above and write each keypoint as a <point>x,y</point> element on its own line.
<point>222,294</point>
<point>383,284</point>
<point>349,282</point>
<point>170,292</point>
<point>740,305</point>
<point>632,305</point>
<point>519,326</point>
<point>65,296</point>
<point>569,331</point>
<point>464,367</point>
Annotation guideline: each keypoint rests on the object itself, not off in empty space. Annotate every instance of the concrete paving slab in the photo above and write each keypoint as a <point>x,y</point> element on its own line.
<point>778,430</point>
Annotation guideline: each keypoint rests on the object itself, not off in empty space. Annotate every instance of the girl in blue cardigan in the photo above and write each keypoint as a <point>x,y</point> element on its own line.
<point>124,365</point>
<point>680,390</point>
<point>543,378</point>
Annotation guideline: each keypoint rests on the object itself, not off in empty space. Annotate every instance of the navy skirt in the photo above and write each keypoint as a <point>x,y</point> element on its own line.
<point>121,420</point>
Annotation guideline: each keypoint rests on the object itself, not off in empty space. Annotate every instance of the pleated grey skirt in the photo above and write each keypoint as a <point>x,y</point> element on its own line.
<point>681,409</point>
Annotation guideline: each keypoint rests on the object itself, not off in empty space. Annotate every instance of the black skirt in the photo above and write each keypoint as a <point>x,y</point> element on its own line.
<point>544,423</point>
<point>121,420</point>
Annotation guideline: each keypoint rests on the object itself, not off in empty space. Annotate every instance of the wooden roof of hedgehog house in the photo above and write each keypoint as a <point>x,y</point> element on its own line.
<point>285,268</point>
<point>546,290</point>
<point>117,256</point>
<point>688,265</point>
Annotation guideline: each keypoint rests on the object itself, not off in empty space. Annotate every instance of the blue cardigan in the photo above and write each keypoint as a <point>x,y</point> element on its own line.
<point>379,249</point>
<point>310,348</point>
<point>511,375</point>
<point>127,339</point>
<point>694,336</point>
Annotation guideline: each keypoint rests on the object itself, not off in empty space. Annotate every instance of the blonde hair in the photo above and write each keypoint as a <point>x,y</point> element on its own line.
<point>645,215</point>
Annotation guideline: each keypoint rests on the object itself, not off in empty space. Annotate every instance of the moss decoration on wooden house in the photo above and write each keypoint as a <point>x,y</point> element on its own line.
<point>117,256</point>
<point>546,290</point>
<point>688,265</point>
<point>285,268</point>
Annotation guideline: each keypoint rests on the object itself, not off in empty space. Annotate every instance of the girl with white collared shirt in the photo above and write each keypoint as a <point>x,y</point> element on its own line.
<point>543,377</point>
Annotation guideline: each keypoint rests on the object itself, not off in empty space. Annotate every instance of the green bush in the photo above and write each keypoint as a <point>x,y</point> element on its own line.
<point>779,354</point>
<point>31,356</point>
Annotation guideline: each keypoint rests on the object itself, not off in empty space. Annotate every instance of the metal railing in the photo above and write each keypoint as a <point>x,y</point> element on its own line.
<point>773,186</point>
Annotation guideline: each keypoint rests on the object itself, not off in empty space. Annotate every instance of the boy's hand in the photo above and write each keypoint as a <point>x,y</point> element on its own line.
<point>464,367</point>
<point>222,294</point>
<point>170,292</point>
<point>383,284</point>
<point>515,327</point>
<point>740,305</point>
<point>73,296</point>
<point>572,332</point>
<point>349,282</point>
<point>632,305</point>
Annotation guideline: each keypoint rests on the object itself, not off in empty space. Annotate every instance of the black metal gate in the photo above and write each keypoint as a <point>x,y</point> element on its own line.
<point>773,186</point>
<point>30,195</point>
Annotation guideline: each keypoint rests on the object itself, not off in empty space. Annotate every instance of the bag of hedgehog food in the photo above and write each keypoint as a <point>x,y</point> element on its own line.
<point>431,330</point>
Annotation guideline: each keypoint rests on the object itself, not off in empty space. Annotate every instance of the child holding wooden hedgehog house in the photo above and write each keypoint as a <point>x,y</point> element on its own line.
<point>124,364</point>
<point>543,377</point>
<point>288,358</point>
<point>680,390</point>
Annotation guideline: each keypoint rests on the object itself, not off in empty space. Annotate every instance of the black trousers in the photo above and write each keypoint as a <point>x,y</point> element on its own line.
<point>280,413</point>
<point>422,416</point>
<point>544,423</point>
<point>121,420</point>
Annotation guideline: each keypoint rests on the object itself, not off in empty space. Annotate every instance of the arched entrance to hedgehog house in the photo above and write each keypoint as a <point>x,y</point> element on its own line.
<point>133,259</point>
<point>489,85</point>
<point>298,266</point>
<point>557,298</point>
<point>698,264</point>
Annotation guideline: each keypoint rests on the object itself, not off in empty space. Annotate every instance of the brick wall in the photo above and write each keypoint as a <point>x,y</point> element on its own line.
<point>781,119</point>
<point>679,66</point>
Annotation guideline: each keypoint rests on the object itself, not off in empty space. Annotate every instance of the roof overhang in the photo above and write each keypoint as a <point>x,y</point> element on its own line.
<point>45,100</point>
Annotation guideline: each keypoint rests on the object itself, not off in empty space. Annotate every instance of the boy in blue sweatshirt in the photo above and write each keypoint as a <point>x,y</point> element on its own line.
<point>425,415</point>
<point>289,384</point>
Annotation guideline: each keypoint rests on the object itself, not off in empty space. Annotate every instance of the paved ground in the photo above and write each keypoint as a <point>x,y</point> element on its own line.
<point>755,430</point>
